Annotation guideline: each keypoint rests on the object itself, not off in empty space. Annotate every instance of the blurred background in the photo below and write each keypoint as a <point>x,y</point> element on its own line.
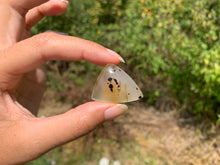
<point>172,51</point>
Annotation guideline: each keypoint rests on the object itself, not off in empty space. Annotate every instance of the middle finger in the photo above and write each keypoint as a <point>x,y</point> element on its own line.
<point>12,19</point>
<point>47,9</point>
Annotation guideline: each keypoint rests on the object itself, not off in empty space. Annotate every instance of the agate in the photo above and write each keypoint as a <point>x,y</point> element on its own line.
<point>115,86</point>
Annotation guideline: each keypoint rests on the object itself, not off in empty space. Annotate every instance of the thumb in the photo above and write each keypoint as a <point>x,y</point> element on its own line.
<point>57,130</point>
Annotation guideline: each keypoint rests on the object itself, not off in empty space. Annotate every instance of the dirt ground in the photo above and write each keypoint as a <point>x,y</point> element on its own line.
<point>143,135</point>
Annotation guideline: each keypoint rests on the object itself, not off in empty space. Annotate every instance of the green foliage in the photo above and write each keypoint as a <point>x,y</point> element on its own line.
<point>218,120</point>
<point>56,157</point>
<point>175,42</point>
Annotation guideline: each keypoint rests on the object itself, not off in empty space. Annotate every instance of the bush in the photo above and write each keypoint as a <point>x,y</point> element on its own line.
<point>174,42</point>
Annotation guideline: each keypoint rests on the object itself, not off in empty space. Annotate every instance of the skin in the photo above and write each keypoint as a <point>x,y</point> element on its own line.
<point>23,136</point>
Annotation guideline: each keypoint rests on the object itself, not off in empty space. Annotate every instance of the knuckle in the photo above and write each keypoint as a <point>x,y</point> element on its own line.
<point>85,124</point>
<point>43,42</point>
<point>43,38</point>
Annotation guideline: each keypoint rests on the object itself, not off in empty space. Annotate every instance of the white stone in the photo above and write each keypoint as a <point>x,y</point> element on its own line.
<point>104,161</point>
<point>116,162</point>
<point>115,86</point>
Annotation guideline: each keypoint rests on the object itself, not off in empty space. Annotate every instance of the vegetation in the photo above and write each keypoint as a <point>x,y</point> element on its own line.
<point>172,46</point>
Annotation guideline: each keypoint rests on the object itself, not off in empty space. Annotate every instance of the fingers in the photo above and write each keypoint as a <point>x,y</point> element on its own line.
<point>63,128</point>
<point>12,25</point>
<point>22,6</point>
<point>13,17</point>
<point>49,8</point>
<point>33,52</point>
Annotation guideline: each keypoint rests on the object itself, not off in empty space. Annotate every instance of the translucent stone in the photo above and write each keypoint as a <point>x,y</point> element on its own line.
<point>115,86</point>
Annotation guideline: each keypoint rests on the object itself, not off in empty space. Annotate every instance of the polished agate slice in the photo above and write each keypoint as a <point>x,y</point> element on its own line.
<point>115,86</point>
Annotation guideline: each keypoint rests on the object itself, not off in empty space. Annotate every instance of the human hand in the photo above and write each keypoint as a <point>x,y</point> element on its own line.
<point>23,136</point>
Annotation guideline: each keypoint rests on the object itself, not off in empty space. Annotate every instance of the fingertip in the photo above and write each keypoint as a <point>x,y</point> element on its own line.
<point>56,7</point>
<point>113,53</point>
<point>108,110</point>
<point>115,111</point>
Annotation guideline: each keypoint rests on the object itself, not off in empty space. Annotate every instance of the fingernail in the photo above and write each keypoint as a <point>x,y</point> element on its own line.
<point>66,1</point>
<point>115,111</point>
<point>116,54</point>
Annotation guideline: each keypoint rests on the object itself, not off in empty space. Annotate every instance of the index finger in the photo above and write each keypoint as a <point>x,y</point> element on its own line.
<point>33,52</point>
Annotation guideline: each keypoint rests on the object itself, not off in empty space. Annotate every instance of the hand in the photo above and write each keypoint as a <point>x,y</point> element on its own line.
<point>23,136</point>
